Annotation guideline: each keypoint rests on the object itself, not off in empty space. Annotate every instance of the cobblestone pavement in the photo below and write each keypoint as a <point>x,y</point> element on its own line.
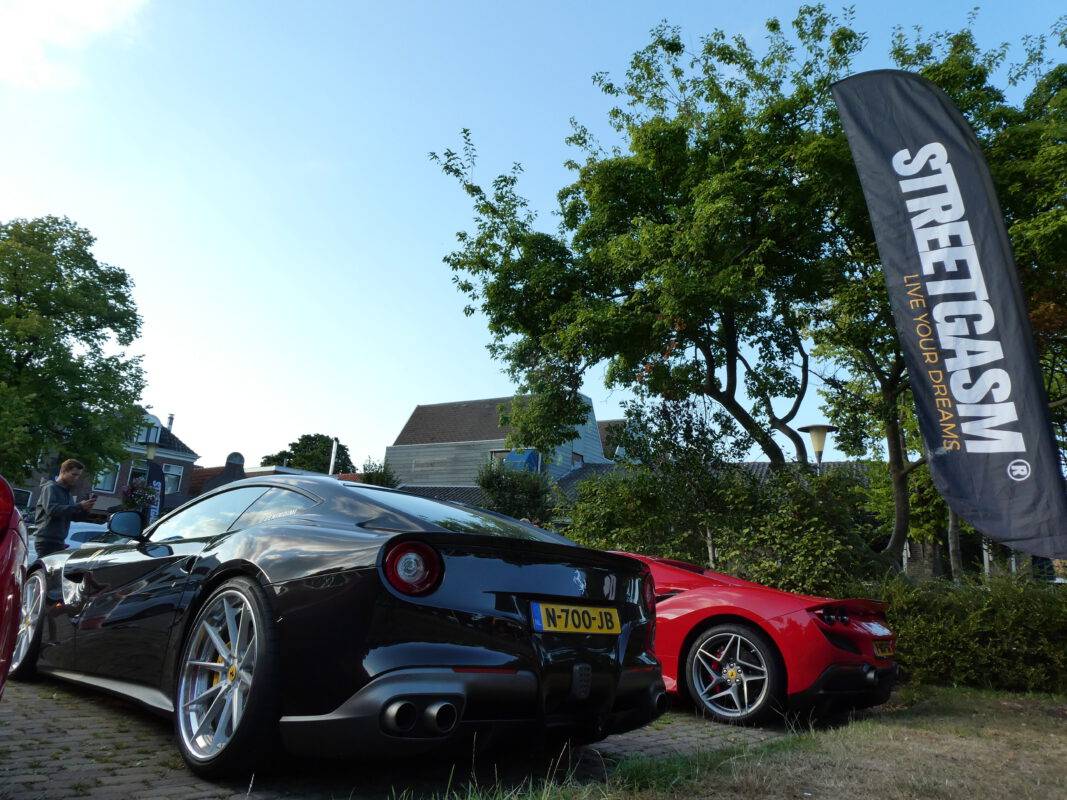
<point>62,741</point>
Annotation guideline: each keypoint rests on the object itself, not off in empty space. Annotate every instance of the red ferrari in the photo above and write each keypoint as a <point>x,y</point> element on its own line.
<point>13,544</point>
<point>744,652</point>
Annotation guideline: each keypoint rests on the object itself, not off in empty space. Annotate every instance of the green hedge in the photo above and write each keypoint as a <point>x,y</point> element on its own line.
<point>1004,633</point>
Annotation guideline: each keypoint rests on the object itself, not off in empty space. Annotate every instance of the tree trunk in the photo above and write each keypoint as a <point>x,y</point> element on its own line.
<point>901,501</point>
<point>711,547</point>
<point>752,427</point>
<point>954,556</point>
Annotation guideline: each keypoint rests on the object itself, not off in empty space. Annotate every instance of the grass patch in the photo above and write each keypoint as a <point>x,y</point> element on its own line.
<point>943,744</point>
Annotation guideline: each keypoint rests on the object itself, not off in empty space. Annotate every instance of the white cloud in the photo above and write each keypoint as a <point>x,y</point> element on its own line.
<point>40,40</point>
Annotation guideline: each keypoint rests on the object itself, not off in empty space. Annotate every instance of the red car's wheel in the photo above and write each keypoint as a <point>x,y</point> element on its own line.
<point>734,676</point>
<point>28,642</point>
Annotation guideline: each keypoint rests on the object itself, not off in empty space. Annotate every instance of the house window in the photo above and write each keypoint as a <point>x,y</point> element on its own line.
<point>172,474</point>
<point>497,456</point>
<point>138,471</point>
<point>577,460</point>
<point>172,477</point>
<point>105,481</point>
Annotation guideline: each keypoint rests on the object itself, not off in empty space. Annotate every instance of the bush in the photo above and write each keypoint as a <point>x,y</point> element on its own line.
<point>1004,633</point>
<point>379,474</point>
<point>627,510</point>
<point>804,532</point>
<point>516,493</point>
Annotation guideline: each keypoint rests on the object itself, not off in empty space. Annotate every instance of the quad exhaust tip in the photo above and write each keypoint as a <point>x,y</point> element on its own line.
<point>440,717</point>
<point>400,716</point>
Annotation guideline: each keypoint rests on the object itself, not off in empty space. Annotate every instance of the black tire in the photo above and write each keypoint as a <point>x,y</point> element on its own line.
<point>770,690</point>
<point>255,739</point>
<point>26,669</point>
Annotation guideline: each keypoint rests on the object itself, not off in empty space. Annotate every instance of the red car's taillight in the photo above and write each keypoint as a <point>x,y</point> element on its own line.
<point>413,568</point>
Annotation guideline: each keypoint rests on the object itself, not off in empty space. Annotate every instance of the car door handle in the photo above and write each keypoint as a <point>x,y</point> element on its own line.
<point>186,565</point>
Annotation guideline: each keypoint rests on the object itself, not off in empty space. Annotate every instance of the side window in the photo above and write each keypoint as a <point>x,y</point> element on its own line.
<point>208,517</point>
<point>275,503</point>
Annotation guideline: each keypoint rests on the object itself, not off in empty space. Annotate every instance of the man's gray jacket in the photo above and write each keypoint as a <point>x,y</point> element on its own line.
<point>55,509</point>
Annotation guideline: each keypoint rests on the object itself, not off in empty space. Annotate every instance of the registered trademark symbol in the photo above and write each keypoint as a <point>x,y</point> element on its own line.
<point>1019,470</point>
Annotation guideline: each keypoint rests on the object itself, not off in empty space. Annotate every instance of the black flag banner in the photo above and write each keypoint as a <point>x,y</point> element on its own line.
<point>959,309</point>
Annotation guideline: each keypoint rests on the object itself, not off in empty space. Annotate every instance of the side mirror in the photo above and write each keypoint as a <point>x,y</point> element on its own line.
<point>125,523</point>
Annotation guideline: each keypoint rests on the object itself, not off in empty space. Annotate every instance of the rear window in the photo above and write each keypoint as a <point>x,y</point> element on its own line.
<point>461,520</point>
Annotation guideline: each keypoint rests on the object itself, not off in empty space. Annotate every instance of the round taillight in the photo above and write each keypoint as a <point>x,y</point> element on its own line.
<point>413,568</point>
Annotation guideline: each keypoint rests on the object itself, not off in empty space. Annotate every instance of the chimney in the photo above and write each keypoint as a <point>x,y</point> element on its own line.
<point>170,421</point>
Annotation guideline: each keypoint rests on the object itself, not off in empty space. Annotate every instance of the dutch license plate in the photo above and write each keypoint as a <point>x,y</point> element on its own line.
<point>883,649</point>
<point>556,618</point>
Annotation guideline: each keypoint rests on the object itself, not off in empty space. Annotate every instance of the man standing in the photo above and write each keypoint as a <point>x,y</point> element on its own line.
<point>56,508</point>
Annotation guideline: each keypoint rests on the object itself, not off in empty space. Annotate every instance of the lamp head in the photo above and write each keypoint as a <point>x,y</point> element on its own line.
<point>818,438</point>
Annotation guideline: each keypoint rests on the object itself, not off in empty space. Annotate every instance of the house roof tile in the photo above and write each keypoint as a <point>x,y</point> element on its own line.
<point>464,421</point>
<point>171,442</point>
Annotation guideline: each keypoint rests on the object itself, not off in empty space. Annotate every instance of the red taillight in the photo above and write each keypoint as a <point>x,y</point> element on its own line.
<point>413,568</point>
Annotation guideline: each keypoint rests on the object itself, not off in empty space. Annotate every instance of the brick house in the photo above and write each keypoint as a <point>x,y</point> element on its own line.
<point>176,458</point>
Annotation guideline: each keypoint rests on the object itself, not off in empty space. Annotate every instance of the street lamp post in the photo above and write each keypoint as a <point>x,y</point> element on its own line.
<point>153,473</point>
<point>818,440</point>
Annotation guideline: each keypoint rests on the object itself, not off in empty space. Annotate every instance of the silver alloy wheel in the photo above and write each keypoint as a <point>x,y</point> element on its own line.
<point>730,675</point>
<point>217,674</point>
<point>33,592</point>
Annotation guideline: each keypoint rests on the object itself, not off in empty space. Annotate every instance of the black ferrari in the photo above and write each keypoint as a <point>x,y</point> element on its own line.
<point>338,618</point>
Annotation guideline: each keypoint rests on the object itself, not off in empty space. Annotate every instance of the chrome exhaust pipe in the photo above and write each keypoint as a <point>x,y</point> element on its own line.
<point>400,717</point>
<point>440,717</point>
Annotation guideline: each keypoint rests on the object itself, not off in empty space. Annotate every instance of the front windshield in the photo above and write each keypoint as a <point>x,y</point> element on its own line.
<point>461,520</point>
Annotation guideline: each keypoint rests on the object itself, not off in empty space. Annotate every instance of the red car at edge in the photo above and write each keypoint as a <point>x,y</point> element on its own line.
<point>744,652</point>
<point>13,544</point>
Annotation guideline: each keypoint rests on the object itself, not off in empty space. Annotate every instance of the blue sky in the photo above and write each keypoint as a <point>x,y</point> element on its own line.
<point>260,169</point>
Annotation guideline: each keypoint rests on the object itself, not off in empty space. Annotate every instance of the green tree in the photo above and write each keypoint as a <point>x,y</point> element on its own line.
<point>311,452</point>
<point>516,492</point>
<point>379,474</point>
<point>725,233</point>
<point>688,254</point>
<point>66,388</point>
<point>687,447</point>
